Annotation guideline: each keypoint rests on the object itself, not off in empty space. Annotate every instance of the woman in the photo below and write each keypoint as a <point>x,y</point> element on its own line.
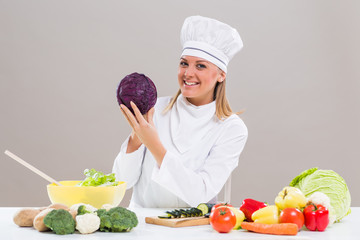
<point>184,149</point>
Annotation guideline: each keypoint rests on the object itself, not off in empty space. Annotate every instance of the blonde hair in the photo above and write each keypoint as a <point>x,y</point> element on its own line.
<point>223,109</point>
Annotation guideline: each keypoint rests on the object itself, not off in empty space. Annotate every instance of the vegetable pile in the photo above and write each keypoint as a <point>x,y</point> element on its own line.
<point>97,178</point>
<point>82,217</point>
<point>314,200</point>
<point>139,89</point>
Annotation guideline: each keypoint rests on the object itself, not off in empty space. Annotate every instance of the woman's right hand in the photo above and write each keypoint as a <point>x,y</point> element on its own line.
<point>144,131</point>
<point>142,125</point>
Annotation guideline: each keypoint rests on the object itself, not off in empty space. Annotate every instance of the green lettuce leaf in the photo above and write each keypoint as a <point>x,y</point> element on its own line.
<point>97,178</point>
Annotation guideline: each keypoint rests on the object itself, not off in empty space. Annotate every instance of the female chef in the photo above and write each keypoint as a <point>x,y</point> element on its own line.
<point>184,149</point>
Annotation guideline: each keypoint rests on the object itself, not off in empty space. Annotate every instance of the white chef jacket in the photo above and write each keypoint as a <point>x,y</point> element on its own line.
<point>202,151</point>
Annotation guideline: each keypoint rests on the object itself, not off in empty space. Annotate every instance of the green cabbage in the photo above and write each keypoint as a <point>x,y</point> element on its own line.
<point>329,183</point>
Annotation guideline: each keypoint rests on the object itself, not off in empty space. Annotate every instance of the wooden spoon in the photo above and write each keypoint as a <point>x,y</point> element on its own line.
<point>32,168</point>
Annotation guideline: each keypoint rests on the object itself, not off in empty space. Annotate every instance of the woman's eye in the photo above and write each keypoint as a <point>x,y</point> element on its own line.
<point>183,64</point>
<point>201,66</point>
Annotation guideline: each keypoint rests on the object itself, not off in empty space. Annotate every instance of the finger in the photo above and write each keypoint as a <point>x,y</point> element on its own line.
<point>137,112</point>
<point>150,115</point>
<point>131,116</point>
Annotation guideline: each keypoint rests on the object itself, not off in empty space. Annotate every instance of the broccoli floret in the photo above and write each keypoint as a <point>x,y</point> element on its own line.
<point>100,211</point>
<point>117,219</point>
<point>60,221</point>
<point>82,210</point>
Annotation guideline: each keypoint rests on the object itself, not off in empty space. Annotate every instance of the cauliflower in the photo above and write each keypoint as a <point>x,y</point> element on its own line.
<point>323,199</point>
<point>87,223</point>
<point>88,207</point>
<point>107,207</point>
<point>319,198</point>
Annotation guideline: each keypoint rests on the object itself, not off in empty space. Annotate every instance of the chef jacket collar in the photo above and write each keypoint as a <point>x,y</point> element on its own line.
<point>190,124</point>
<point>202,111</point>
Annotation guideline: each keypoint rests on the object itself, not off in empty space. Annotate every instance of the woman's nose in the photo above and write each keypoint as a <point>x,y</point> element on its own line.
<point>189,72</point>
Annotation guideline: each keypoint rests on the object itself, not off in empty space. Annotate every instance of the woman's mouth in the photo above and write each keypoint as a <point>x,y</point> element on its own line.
<point>190,83</point>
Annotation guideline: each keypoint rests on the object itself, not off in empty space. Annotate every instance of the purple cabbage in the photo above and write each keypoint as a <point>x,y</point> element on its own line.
<point>138,88</point>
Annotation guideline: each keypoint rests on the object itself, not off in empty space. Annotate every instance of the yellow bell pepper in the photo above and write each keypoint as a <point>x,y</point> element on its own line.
<point>240,216</point>
<point>267,215</point>
<point>290,197</point>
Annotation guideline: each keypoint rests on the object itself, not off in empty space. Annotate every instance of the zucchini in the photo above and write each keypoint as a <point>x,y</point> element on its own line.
<point>205,207</point>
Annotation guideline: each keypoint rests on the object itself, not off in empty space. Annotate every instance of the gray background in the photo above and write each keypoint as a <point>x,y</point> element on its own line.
<point>61,61</point>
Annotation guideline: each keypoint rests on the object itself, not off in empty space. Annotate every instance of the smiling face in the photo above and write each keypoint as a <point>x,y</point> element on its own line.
<point>197,79</point>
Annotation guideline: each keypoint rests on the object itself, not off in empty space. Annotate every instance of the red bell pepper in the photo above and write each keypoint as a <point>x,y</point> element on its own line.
<point>316,217</point>
<point>249,206</point>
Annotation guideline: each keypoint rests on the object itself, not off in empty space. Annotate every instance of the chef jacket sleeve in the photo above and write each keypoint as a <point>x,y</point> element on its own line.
<point>199,186</point>
<point>127,166</point>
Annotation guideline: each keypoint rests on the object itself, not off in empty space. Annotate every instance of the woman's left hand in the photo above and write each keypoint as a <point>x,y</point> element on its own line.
<point>145,130</point>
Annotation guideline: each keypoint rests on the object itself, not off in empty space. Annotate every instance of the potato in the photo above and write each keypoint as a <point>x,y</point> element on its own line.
<point>59,206</point>
<point>25,217</point>
<point>73,213</point>
<point>42,208</point>
<point>39,220</point>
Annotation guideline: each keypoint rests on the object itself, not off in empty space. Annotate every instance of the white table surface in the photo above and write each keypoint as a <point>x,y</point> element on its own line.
<point>348,228</point>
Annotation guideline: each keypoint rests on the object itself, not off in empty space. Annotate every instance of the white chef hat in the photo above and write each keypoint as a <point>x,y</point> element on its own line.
<point>210,39</point>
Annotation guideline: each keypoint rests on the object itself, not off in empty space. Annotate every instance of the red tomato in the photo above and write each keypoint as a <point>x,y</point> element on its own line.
<point>292,215</point>
<point>220,204</point>
<point>222,219</point>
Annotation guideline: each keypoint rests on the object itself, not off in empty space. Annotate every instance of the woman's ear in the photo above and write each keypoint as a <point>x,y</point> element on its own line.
<point>222,76</point>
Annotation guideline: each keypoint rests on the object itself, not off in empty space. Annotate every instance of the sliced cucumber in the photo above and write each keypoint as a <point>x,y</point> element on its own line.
<point>167,216</point>
<point>178,213</point>
<point>197,212</point>
<point>205,207</point>
<point>184,213</point>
